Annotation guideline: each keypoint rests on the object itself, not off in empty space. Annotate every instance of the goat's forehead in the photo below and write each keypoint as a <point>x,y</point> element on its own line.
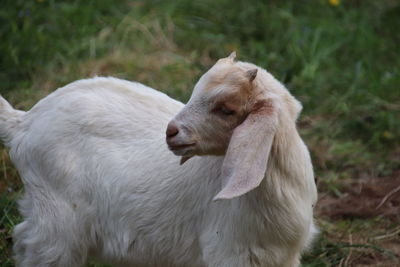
<point>218,80</point>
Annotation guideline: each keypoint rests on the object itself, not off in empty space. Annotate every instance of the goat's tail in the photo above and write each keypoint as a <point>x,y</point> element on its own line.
<point>10,119</point>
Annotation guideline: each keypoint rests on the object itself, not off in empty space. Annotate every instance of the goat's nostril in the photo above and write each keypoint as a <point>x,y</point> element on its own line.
<point>172,130</point>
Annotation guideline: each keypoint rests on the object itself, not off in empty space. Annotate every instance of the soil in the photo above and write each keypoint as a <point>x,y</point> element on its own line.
<point>363,199</point>
<point>374,200</point>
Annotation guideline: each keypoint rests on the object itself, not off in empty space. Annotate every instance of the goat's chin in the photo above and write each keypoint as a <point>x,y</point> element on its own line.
<point>212,151</point>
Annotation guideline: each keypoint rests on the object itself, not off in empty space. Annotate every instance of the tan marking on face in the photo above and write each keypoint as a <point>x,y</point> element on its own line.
<point>227,75</point>
<point>216,79</point>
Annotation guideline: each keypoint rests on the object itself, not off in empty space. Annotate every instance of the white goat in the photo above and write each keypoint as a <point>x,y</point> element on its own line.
<point>100,181</point>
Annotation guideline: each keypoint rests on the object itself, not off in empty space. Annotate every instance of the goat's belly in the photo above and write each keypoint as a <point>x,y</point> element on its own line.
<point>152,221</point>
<point>147,249</point>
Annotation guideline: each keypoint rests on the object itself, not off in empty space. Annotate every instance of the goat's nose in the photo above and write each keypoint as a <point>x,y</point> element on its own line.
<point>172,130</point>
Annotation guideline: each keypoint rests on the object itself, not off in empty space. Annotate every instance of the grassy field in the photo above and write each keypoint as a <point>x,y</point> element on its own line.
<point>340,58</point>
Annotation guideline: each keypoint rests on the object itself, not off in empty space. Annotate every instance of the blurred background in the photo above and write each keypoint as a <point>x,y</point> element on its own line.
<point>341,59</point>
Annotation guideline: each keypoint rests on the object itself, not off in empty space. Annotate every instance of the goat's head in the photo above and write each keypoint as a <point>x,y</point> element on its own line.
<point>229,114</point>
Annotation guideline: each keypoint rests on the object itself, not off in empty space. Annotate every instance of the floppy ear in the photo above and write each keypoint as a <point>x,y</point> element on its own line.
<point>246,159</point>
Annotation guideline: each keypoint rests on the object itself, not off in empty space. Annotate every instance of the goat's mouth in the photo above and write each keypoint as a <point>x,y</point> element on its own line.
<point>174,147</point>
<point>181,149</point>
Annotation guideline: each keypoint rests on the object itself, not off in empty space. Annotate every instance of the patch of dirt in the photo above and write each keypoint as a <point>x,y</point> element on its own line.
<point>374,200</point>
<point>363,198</point>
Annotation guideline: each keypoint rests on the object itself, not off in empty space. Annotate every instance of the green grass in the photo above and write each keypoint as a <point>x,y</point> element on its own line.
<point>342,62</point>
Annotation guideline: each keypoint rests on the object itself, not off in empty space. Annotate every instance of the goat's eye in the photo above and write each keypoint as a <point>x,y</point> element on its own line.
<point>226,110</point>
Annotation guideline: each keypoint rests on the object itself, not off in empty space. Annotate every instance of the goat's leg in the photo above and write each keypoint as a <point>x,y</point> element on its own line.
<point>49,235</point>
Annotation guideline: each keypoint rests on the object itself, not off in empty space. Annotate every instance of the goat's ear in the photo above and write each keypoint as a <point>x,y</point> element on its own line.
<point>251,74</point>
<point>246,159</point>
<point>232,56</point>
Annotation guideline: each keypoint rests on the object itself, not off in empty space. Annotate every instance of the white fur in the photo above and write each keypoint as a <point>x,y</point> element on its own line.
<point>100,182</point>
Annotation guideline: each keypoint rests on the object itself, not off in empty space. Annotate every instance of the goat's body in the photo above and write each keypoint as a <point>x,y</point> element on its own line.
<point>100,182</point>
